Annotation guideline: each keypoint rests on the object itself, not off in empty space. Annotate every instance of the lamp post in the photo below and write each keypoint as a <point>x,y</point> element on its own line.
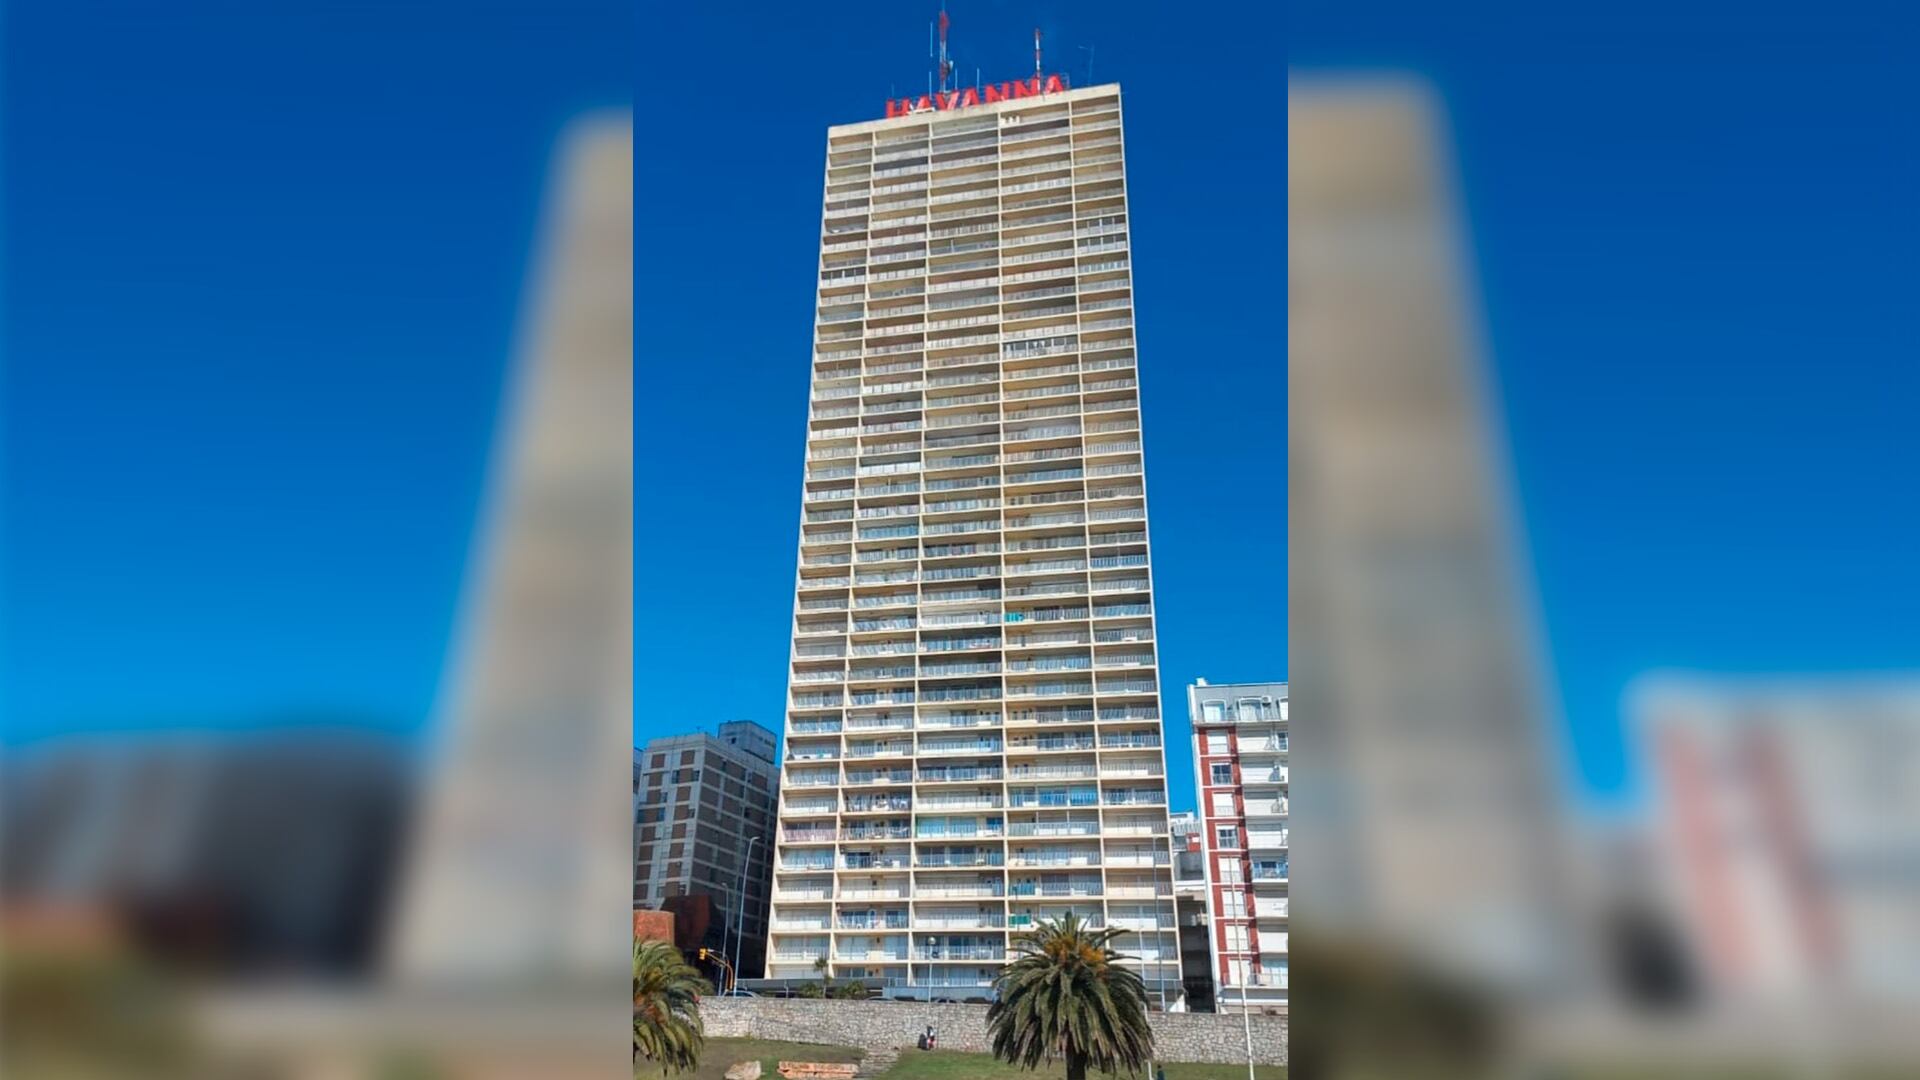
<point>1246,1016</point>
<point>740,914</point>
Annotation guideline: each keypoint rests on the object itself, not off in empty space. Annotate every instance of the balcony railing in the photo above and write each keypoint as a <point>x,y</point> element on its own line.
<point>1084,887</point>
<point>943,775</point>
<point>962,952</point>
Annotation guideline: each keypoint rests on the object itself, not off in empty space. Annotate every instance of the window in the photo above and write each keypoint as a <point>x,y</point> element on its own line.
<point>1236,972</point>
<point>1228,836</point>
<point>1233,904</point>
<point>1223,774</point>
<point>1231,871</point>
<point>1213,711</point>
<point>1223,804</point>
<point>1217,743</point>
<point>1249,708</point>
<point>1236,937</point>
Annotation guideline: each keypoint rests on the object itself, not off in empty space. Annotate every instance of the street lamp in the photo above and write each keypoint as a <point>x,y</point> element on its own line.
<point>740,914</point>
<point>1246,1017</point>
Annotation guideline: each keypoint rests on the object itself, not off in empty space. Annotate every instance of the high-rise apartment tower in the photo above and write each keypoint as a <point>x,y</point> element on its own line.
<point>974,730</point>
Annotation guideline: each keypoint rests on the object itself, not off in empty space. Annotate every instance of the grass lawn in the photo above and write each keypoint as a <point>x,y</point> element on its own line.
<point>721,1053</point>
<point>951,1065</point>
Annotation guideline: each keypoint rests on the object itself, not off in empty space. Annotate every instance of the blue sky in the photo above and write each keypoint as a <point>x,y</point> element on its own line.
<point>1693,227</point>
<point>262,270</point>
<point>262,273</point>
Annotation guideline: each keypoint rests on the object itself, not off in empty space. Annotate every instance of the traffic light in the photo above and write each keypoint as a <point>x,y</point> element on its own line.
<point>703,954</point>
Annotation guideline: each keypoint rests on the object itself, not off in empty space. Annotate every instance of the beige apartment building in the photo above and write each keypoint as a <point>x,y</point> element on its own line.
<point>973,739</point>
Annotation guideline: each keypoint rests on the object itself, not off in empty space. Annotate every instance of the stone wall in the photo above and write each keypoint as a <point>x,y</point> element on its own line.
<point>875,1025</point>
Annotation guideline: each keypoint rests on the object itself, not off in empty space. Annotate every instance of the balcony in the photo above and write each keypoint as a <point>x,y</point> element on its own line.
<point>1052,772</point>
<point>981,921</point>
<point>1029,744</point>
<point>892,920</point>
<point>1054,689</point>
<point>876,954</point>
<point>935,721</point>
<point>956,747</point>
<point>889,832</point>
<point>1053,828</point>
<point>994,953</point>
<point>943,775</point>
<point>1141,923</point>
<point>941,861</point>
<point>1078,797</point>
<point>937,890</point>
<point>898,892</point>
<point>968,802</point>
<point>792,925</point>
<point>1077,887</point>
<point>1129,772</point>
<point>1135,797</point>
<point>1054,859</point>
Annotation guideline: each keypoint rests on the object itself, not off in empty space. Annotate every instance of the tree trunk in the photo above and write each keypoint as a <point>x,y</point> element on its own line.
<point>1076,1067</point>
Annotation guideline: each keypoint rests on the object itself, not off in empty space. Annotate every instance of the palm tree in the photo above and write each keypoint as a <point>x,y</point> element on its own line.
<point>1066,997</point>
<point>666,1007</point>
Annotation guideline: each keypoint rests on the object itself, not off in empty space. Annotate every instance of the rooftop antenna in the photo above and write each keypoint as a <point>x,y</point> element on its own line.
<point>1089,50</point>
<point>1036,52</point>
<point>946,66</point>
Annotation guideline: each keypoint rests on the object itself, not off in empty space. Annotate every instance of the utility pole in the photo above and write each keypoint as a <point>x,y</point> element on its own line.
<point>740,914</point>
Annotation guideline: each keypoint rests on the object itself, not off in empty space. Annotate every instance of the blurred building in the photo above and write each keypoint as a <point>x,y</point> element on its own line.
<point>703,803</point>
<point>1431,814</point>
<point>974,734</point>
<point>1240,764</point>
<point>269,851</point>
<point>1192,910</point>
<point>521,841</point>
<point>1785,820</point>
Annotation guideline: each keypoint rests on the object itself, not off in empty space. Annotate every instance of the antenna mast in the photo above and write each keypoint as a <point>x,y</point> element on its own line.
<point>946,65</point>
<point>1036,52</point>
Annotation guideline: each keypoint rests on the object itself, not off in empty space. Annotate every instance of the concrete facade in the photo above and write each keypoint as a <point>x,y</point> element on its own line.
<point>700,800</point>
<point>973,729</point>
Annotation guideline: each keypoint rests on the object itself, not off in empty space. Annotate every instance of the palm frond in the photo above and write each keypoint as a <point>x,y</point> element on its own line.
<point>1066,996</point>
<point>666,1007</point>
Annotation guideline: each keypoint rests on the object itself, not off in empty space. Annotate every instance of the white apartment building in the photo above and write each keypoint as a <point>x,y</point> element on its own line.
<point>1240,766</point>
<point>973,739</point>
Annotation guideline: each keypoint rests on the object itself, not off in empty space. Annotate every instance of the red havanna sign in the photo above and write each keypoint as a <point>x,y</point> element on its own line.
<point>986,95</point>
